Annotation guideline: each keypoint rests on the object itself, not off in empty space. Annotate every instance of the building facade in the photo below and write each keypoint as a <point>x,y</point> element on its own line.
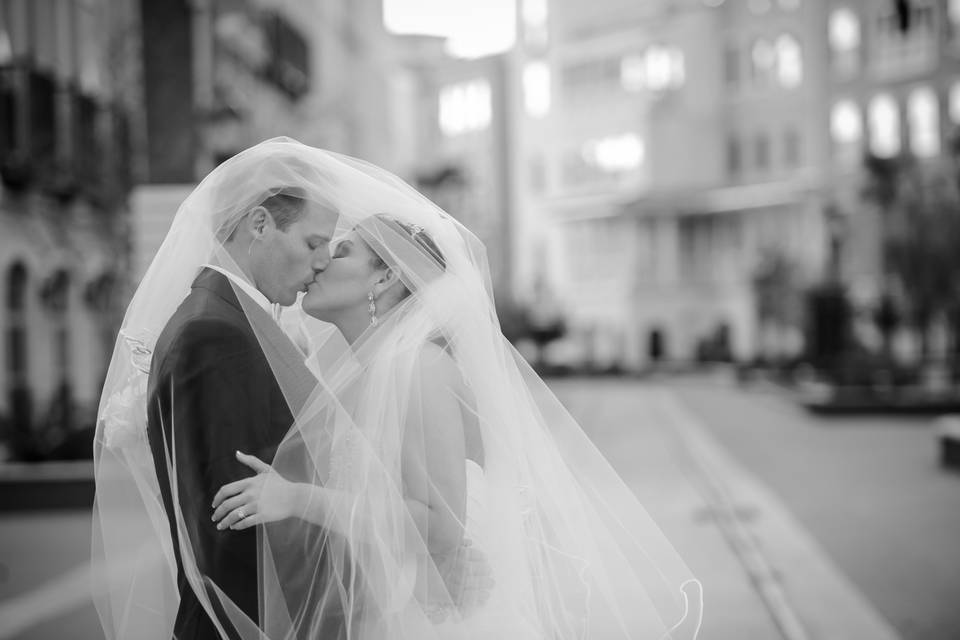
<point>110,112</point>
<point>223,75</point>
<point>893,83</point>
<point>459,121</point>
<point>67,95</point>
<point>681,154</point>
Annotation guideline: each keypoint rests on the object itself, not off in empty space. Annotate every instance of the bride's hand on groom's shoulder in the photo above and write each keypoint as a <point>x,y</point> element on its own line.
<point>265,497</point>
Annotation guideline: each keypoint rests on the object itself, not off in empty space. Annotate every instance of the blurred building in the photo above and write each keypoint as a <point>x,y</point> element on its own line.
<point>672,152</point>
<point>222,75</point>
<point>67,91</point>
<point>457,114</point>
<point>893,79</point>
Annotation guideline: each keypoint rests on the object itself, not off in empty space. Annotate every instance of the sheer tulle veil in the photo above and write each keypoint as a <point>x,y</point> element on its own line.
<point>571,552</point>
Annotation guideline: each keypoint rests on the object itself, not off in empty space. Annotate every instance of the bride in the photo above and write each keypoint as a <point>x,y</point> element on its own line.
<point>430,485</point>
<point>448,444</point>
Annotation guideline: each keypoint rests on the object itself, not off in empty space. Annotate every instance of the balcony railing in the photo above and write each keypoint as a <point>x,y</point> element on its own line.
<point>64,141</point>
<point>42,102</point>
<point>28,124</point>
<point>15,168</point>
<point>288,64</point>
<point>87,151</point>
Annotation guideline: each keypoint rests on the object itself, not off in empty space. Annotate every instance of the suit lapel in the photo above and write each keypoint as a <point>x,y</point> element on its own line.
<point>284,357</point>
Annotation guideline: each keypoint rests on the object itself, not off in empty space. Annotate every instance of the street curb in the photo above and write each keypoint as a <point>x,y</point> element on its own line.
<point>806,594</point>
<point>46,486</point>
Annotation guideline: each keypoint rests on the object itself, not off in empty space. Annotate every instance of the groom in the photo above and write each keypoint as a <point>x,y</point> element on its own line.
<point>213,391</point>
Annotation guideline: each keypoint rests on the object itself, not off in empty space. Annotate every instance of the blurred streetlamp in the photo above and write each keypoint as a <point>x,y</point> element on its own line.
<point>836,232</point>
<point>6,48</point>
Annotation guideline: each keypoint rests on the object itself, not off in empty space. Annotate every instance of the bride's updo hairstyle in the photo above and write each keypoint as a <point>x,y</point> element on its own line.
<point>404,247</point>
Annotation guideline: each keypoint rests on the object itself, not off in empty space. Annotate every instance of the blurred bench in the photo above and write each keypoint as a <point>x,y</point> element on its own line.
<point>46,485</point>
<point>948,438</point>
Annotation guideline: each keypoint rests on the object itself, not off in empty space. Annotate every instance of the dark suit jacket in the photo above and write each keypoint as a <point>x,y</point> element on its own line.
<point>212,392</point>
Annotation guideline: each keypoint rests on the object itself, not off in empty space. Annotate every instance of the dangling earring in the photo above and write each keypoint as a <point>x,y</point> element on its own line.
<point>372,308</point>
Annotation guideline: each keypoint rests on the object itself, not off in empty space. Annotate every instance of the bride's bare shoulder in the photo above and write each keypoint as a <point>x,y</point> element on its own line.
<point>437,363</point>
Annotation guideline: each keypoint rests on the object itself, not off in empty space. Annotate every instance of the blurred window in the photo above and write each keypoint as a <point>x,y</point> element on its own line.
<point>844,37</point>
<point>904,39</point>
<point>535,31</point>
<point>465,107</point>
<point>66,35</point>
<point>591,74</point>
<point>17,288</point>
<point>844,30</point>
<point>846,124</point>
<point>954,103</point>
<point>536,88</point>
<point>884,119</point>
<point>789,61</point>
<point>15,21</point>
<point>734,157</point>
<point>633,73</point>
<point>43,32</point>
<point>658,68</point>
<point>791,148</point>
<point>953,11</point>
<point>615,154</point>
<point>731,66</point>
<point>89,43</point>
<point>846,130</point>
<point>6,26</point>
<point>537,168</point>
<point>763,58</point>
<point>6,48</point>
<point>924,118</point>
<point>16,313</point>
<point>761,150</point>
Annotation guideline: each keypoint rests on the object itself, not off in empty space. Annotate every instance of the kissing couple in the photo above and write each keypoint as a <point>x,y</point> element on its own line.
<point>313,427</point>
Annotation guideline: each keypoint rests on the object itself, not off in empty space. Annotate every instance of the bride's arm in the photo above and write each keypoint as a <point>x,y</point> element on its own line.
<point>433,456</point>
<point>432,469</point>
<point>432,464</point>
<point>269,497</point>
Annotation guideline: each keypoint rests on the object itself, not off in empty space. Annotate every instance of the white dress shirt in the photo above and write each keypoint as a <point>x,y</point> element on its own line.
<point>254,293</point>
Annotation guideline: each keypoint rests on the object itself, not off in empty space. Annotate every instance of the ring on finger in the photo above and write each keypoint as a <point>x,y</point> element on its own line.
<point>241,515</point>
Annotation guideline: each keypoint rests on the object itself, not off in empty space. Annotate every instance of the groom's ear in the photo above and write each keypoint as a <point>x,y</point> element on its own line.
<point>260,221</point>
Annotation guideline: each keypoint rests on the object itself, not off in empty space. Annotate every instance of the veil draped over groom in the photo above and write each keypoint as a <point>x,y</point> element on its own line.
<point>571,551</point>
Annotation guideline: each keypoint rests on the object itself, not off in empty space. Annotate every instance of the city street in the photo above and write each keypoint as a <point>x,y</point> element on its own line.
<point>869,489</point>
<point>799,527</point>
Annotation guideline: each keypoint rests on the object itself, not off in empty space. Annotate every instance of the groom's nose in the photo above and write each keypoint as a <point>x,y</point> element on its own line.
<point>321,261</point>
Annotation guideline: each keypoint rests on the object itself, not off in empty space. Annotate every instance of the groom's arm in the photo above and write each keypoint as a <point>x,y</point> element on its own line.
<point>220,404</point>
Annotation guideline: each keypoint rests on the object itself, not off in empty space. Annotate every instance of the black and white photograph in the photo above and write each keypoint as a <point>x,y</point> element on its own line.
<point>480,320</point>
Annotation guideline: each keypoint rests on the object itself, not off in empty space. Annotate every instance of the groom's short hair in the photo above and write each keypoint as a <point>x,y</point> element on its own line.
<point>285,205</point>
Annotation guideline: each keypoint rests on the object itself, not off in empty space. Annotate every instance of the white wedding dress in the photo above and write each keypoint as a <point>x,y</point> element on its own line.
<point>497,617</point>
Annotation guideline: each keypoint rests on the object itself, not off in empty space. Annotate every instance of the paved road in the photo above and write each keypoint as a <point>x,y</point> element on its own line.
<point>39,549</point>
<point>869,490</point>
<point>48,552</point>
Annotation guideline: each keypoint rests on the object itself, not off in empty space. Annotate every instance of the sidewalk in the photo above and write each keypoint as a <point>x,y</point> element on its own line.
<point>764,576</point>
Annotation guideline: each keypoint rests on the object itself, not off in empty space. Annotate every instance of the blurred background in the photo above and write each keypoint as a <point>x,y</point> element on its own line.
<point>726,231</point>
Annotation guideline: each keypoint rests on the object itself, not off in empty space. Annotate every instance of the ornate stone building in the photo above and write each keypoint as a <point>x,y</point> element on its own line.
<point>66,98</point>
<point>110,112</point>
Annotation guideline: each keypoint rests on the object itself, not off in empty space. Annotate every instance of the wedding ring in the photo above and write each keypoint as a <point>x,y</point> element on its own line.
<point>241,514</point>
